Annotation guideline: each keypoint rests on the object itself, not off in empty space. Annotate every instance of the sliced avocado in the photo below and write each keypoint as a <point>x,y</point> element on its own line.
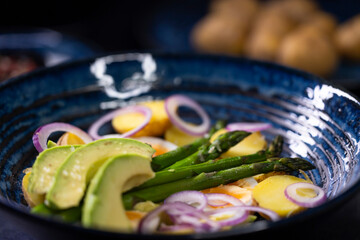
<point>45,167</point>
<point>103,207</point>
<point>51,144</point>
<point>79,168</point>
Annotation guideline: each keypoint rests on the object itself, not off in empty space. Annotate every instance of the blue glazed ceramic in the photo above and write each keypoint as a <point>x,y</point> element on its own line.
<point>320,122</point>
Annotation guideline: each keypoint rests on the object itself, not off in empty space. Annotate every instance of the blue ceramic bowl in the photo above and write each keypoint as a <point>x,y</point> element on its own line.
<point>319,122</point>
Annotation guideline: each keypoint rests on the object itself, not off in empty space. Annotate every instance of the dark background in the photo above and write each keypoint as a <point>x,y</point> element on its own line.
<point>113,26</point>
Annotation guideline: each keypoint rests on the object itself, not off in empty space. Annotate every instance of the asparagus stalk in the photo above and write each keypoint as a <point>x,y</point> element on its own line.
<point>213,150</point>
<point>164,160</point>
<point>275,147</point>
<point>217,126</point>
<point>70,215</point>
<point>207,180</point>
<point>171,175</point>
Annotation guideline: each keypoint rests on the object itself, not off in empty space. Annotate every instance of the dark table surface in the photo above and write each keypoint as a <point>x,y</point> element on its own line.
<point>114,26</point>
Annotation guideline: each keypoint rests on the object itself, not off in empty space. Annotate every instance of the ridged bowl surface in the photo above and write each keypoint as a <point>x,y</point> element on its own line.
<point>320,122</point>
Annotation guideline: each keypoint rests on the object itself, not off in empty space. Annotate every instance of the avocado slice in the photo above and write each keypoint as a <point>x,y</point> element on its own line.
<point>79,168</point>
<point>103,207</point>
<point>45,166</point>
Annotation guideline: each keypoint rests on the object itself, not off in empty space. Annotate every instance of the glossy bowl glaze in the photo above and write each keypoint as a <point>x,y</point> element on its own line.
<point>319,122</point>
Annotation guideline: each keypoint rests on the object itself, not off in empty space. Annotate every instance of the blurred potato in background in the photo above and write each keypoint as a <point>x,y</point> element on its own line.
<point>308,49</point>
<point>348,38</point>
<point>268,30</point>
<point>295,33</point>
<point>225,28</point>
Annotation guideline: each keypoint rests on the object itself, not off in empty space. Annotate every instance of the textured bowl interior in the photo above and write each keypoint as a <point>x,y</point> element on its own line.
<point>320,122</point>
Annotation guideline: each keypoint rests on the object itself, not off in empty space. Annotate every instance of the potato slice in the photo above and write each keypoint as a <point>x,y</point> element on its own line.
<point>32,199</point>
<point>178,137</point>
<point>69,139</point>
<point>251,144</point>
<point>270,194</point>
<point>157,126</point>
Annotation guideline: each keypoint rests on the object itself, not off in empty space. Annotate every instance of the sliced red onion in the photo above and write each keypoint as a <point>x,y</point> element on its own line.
<point>194,198</point>
<point>155,140</point>
<point>248,126</point>
<point>42,134</point>
<point>151,221</point>
<point>307,202</point>
<point>220,199</point>
<point>271,214</point>
<point>94,128</point>
<point>175,228</point>
<point>171,105</point>
<point>234,215</point>
<point>198,220</point>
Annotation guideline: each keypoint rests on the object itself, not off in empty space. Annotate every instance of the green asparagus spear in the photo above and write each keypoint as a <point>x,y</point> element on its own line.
<point>207,180</point>
<point>164,160</point>
<point>171,175</point>
<point>70,215</point>
<point>217,126</point>
<point>213,150</point>
<point>275,147</point>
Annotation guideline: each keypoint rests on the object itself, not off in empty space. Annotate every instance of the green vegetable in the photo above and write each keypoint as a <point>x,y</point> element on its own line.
<point>212,151</point>
<point>216,127</point>
<point>70,215</point>
<point>207,180</point>
<point>164,160</point>
<point>275,147</point>
<point>171,175</point>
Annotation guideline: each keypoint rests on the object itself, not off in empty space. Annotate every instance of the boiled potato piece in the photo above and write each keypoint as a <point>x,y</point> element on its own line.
<point>216,33</point>
<point>348,38</point>
<point>251,144</point>
<point>246,9</point>
<point>297,10</point>
<point>32,199</point>
<point>270,194</point>
<point>265,39</point>
<point>310,50</point>
<point>178,137</point>
<point>69,139</point>
<point>157,126</point>
<point>324,22</point>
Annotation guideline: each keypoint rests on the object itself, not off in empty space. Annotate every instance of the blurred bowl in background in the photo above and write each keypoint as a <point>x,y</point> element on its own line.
<point>23,50</point>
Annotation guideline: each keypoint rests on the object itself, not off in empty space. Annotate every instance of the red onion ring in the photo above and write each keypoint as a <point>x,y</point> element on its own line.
<point>271,214</point>
<point>239,215</point>
<point>175,228</point>
<point>151,221</point>
<point>94,128</point>
<point>42,134</point>
<point>171,105</point>
<point>193,198</point>
<point>307,202</point>
<point>198,220</point>
<point>221,199</point>
<point>248,126</point>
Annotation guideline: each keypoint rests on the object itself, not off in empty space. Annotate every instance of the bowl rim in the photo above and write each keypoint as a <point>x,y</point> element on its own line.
<point>253,228</point>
